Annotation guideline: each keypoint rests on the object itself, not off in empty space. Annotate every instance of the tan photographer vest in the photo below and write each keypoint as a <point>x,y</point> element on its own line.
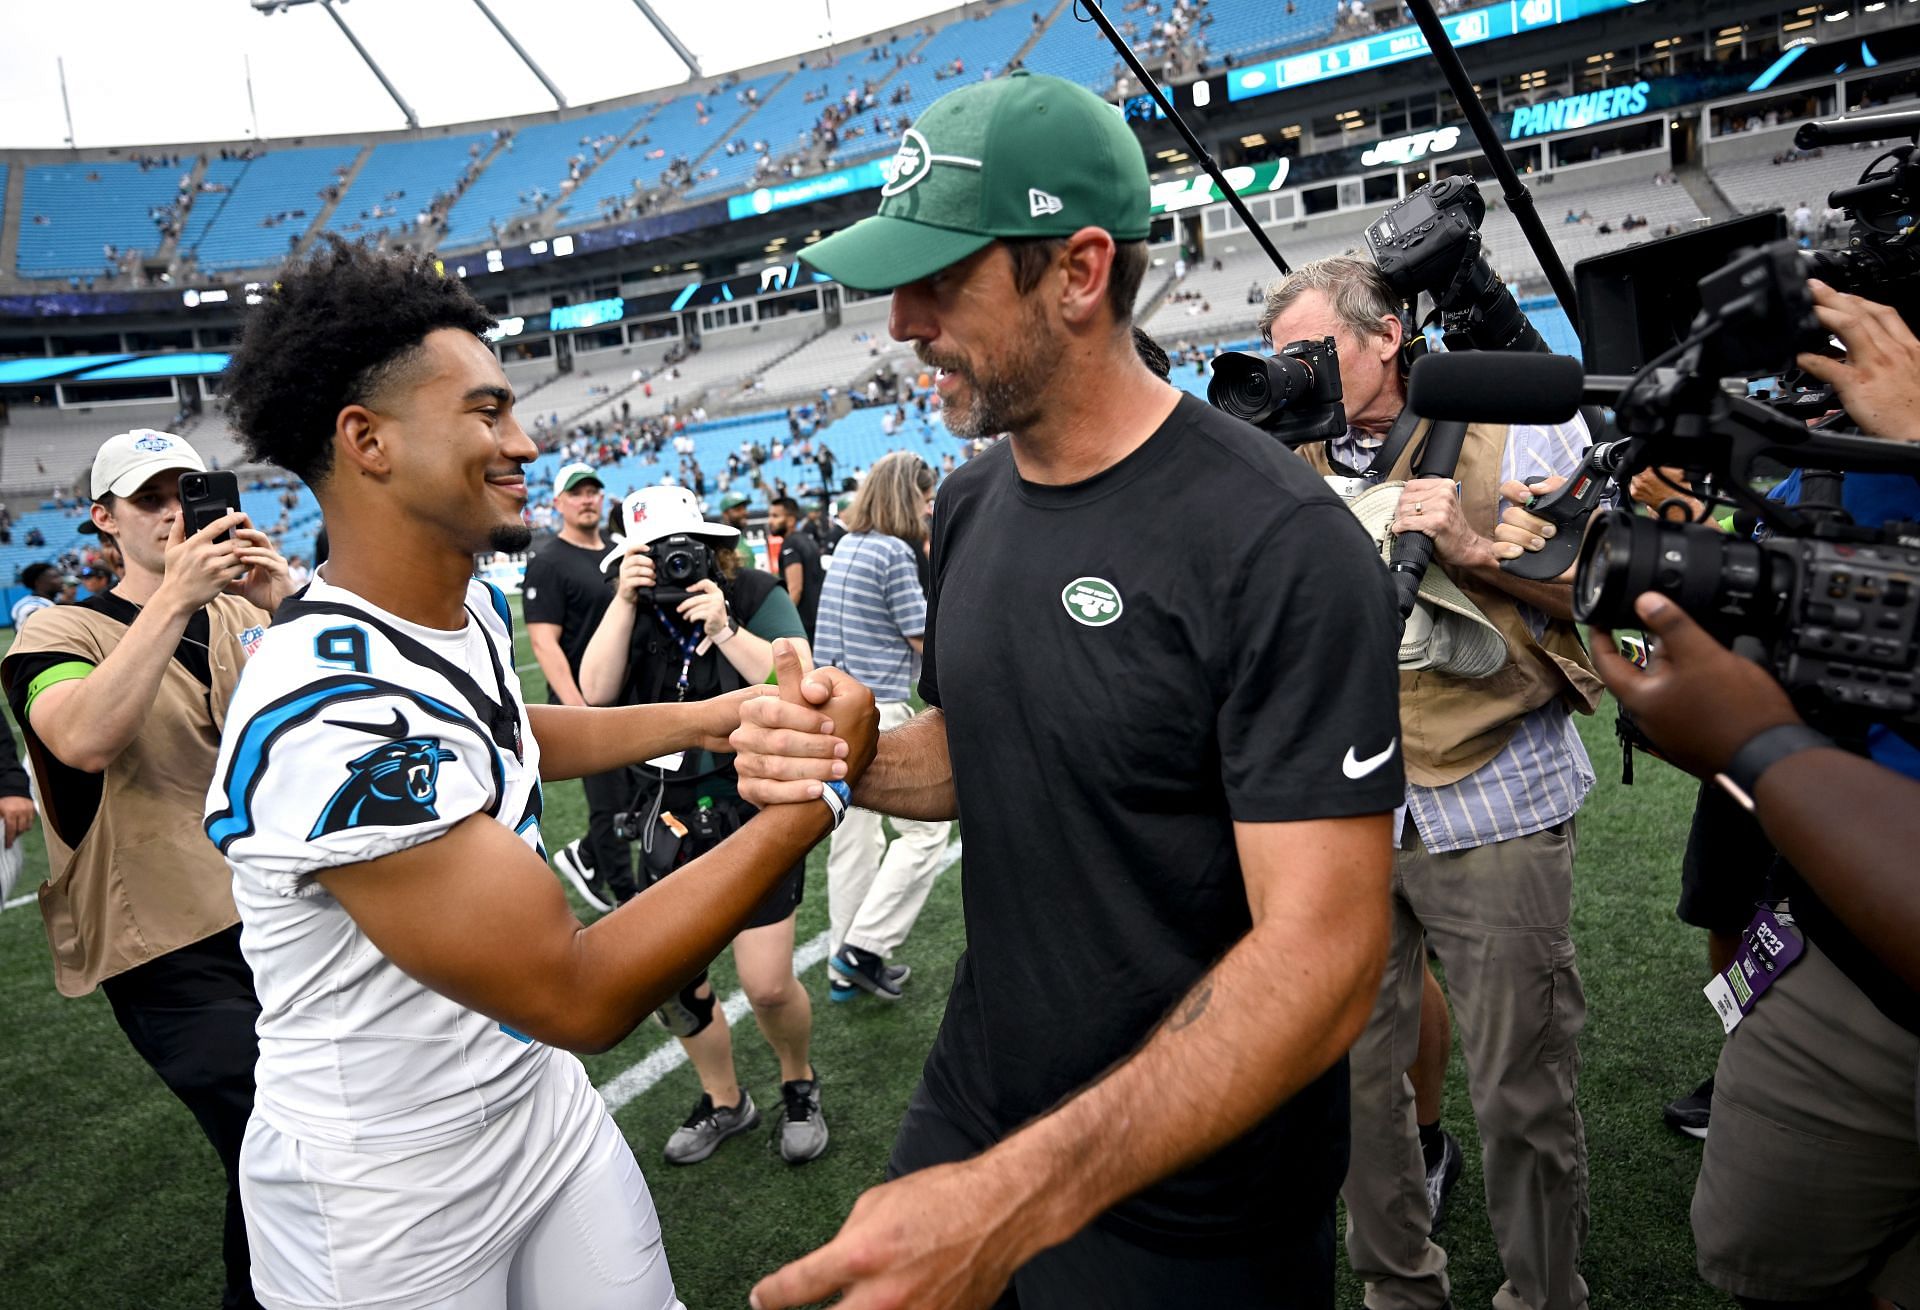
<point>144,879</point>
<point>1452,726</point>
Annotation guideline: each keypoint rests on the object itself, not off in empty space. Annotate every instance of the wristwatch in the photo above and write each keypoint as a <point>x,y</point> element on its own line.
<point>1766,748</point>
<point>725,635</point>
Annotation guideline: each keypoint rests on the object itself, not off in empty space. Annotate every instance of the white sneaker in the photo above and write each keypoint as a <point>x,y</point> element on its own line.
<point>592,887</point>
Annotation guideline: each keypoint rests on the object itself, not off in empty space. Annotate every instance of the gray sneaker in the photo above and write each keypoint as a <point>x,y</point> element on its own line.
<point>803,1129</point>
<point>708,1126</point>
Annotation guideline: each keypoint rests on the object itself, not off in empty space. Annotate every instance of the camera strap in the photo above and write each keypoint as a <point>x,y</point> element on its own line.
<point>502,717</point>
<point>1399,436</point>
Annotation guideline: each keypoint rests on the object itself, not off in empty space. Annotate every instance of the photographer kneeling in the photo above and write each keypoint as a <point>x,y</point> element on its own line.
<point>705,630</point>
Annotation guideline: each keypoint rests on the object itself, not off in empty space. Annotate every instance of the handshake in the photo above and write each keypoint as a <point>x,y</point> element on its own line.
<point>790,740</point>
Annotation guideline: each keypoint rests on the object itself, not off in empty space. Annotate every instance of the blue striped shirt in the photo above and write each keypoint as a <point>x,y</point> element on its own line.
<point>870,603</point>
<point>1542,774</point>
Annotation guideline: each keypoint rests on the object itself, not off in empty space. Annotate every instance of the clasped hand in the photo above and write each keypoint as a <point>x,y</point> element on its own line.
<point>815,727</point>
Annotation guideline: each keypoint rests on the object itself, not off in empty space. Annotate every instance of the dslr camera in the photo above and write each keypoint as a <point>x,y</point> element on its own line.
<point>1295,394</point>
<point>679,561</point>
<point>1430,243</point>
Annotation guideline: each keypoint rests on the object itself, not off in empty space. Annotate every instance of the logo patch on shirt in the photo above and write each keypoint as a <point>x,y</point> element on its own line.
<point>392,785</point>
<point>1094,602</point>
<point>250,640</point>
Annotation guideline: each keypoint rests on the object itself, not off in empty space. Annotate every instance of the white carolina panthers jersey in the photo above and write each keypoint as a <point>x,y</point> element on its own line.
<point>346,741</point>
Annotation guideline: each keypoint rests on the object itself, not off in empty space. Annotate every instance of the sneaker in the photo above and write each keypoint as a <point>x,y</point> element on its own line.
<point>1441,1176</point>
<point>708,1126</point>
<point>870,973</point>
<point>803,1129</point>
<point>593,889</point>
<point>1689,1114</point>
<point>839,989</point>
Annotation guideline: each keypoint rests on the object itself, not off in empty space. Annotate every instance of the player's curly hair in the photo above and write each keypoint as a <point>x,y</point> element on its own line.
<point>332,330</point>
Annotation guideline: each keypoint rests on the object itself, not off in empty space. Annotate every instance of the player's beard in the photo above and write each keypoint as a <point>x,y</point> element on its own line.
<point>1006,399</point>
<point>510,538</point>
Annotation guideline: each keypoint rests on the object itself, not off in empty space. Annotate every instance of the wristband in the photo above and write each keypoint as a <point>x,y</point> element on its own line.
<point>838,797</point>
<point>725,635</point>
<point>1763,750</point>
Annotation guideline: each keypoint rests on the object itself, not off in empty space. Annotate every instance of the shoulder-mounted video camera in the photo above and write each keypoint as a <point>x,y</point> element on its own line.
<point>1831,607</point>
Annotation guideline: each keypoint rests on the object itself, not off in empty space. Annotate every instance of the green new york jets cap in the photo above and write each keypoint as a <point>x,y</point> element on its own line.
<point>1020,156</point>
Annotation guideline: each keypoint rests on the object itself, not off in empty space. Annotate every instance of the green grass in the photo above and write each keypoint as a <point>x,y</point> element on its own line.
<point>112,1198</point>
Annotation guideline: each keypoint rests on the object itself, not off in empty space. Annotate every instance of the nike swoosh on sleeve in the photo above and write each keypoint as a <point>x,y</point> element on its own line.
<point>1357,768</point>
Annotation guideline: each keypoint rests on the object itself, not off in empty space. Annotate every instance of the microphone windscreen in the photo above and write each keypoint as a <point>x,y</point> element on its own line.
<point>1491,386</point>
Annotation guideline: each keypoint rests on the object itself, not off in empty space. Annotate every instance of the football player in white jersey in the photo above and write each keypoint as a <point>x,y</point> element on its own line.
<point>417,1139</point>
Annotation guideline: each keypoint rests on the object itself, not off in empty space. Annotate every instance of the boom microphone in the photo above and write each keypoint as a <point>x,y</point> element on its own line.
<point>1477,386</point>
<point>1868,127</point>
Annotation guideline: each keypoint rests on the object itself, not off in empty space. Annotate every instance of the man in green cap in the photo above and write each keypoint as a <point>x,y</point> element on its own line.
<point>1173,734</point>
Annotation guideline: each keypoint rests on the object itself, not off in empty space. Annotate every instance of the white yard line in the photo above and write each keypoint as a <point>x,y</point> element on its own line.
<point>643,1077</point>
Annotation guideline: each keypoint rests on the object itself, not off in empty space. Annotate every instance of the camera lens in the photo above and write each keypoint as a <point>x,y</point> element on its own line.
<point>1726,582</point>
<point>1253,387</point>
<point>677,566</point>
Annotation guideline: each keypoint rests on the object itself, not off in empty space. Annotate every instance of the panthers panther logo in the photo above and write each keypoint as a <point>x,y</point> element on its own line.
<point>393,784</point>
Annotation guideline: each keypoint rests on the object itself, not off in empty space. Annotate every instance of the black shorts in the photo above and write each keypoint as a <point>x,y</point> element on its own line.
<point>1099,1267</point>
<point>778,905</point>
<point>1727,865</point>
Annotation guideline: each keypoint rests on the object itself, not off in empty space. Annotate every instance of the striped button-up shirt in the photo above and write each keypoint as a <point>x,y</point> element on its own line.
<point>1542,774</point>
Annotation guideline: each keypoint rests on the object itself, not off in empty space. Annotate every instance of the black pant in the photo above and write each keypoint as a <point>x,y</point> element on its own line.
<point>606,854</point>
<point>1098,1267</point>
<point>191,1015</point>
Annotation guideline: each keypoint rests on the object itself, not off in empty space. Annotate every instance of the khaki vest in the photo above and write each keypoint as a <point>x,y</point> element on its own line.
<point>1451,726</point>
<point>144,879</point>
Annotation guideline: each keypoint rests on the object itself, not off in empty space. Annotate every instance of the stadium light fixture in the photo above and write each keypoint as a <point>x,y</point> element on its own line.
<point>281,7</point>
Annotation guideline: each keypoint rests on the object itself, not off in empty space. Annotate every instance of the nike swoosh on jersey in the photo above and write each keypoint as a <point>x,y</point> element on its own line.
<point>1354,767</point>
<point>396,729</point>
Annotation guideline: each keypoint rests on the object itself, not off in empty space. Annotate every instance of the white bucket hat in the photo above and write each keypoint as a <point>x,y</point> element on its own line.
<point>1446,631</point>
<point>655,512</point>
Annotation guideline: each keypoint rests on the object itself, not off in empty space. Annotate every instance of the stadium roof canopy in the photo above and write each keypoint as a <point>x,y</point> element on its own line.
<point>133,73</point>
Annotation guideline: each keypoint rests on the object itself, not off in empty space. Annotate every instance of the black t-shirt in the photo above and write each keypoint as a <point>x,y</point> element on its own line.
<point>76,793</point>
<point>1198,635</point>
<point>800,546</point>
<point>564,586</point>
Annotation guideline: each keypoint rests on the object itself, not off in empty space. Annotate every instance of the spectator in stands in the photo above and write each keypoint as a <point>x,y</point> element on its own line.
<point>1484,873</point>
<point>42,581</point>
<point>798,566</point>
<point>122,701</point>
<point>874,618</point>
<point>718,639</point>
<point>35,537</point>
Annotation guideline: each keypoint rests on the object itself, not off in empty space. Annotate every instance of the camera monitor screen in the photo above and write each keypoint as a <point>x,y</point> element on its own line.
<point>1637,302</point>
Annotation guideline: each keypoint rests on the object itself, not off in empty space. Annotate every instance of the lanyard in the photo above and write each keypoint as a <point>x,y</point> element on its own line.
<point>689,646</point>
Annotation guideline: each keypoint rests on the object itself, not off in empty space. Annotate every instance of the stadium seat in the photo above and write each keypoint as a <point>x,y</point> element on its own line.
<point>87,206</point>
<point>413,173</point>
<point>236,228</point>
<point>534,161</point>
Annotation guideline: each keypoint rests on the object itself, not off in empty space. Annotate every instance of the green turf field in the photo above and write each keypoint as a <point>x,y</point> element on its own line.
<point>109,1197</point>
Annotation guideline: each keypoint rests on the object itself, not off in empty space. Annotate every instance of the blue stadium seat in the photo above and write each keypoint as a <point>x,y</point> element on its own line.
<point>979,43</point>
<point>88,205</point>
<point>782,121</point>
<point>1076,51</point>
<point>678,130</point>
<point>1246,29</point>
<point>416,170</point>
<point>536,158</point>
<point>237,229</point>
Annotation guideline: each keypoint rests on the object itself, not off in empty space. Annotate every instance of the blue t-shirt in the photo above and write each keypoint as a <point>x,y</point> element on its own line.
<point>1873,499</point>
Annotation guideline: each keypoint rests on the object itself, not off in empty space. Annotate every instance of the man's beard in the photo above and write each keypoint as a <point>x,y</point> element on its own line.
<point>510,538</point>
<point>1008,400</point>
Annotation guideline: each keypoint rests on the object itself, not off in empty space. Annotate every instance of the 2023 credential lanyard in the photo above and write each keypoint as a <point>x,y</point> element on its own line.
<point>1768,948</point>
<point>689,647</point>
